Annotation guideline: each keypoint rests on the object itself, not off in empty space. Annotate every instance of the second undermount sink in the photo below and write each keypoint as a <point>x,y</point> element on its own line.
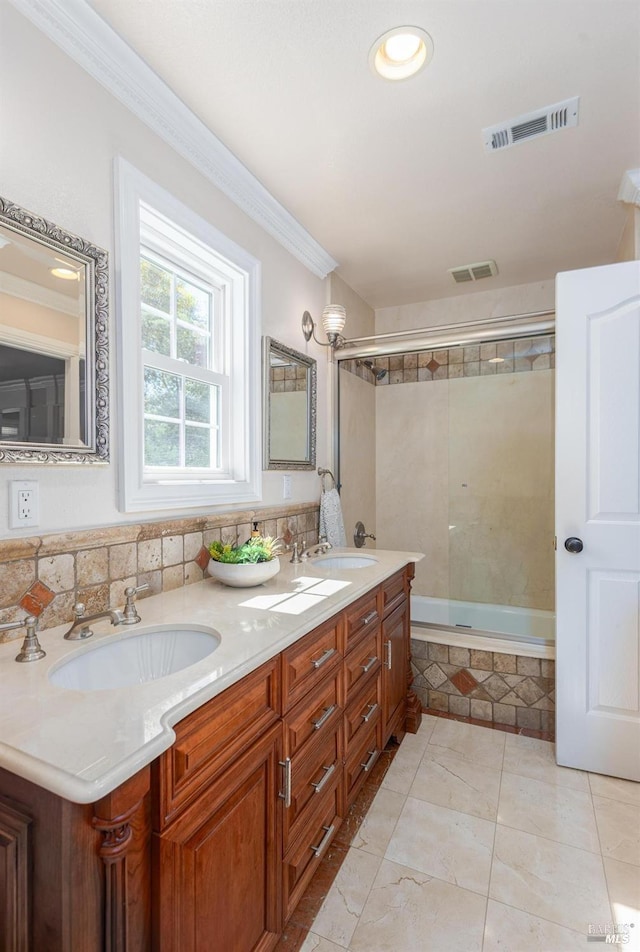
<point>344,562</point>
<point>135,659</point>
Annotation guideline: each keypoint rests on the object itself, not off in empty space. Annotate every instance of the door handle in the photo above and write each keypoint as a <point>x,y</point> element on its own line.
<point>573,544</point>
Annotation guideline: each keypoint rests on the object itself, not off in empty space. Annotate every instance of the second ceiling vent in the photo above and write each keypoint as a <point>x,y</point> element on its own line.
<point>474,272</point>
<point>561,115</point>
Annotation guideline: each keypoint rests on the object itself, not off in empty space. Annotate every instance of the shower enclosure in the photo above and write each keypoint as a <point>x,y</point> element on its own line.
<point>464,472</point>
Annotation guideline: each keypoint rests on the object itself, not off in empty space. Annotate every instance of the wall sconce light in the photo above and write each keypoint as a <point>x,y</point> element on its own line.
<point>334,318</point>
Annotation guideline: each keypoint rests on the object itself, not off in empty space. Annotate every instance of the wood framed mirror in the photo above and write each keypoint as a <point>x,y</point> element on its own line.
<point>54,345</point>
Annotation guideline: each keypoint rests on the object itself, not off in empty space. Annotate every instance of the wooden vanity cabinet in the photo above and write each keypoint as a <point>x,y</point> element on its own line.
<point>213,844</point>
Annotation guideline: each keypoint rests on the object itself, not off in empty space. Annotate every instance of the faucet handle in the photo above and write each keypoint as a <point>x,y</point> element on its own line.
<point>79,609</point>
<point>130,615</point>
<point>31,649</point>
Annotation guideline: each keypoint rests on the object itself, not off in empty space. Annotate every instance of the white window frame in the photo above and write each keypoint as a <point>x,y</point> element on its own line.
<point>238,273</point>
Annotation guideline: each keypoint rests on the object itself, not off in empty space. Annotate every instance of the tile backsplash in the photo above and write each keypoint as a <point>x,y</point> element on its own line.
<point>46,575</point>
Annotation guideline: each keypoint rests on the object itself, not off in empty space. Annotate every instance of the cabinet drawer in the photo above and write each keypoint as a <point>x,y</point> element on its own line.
<point>318,712</point>
<point>363,662</point>
<point>305,663</point>
<point>305,855</point>
<point>361,617</point>
<point>361,760</point>
<point>210,738</point>
<point>318,769</point>
<point>363,710</point>
<point>394,591</point>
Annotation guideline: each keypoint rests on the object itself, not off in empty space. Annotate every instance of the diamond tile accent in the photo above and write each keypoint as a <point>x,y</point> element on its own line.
<point>433,365</point>
<point>202,558</point>
<point>36,598</point>
<point>464,681</point>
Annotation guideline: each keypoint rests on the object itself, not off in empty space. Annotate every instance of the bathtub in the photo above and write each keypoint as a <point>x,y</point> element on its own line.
<point>505,628</point>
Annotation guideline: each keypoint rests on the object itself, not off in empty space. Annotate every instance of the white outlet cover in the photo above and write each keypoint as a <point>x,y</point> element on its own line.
<point>32,518</point>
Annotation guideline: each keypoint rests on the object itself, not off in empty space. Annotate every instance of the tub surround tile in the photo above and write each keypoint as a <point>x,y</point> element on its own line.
<point>511,930</point>
<point>619,829</point>
<point>545,809</point>
<point>531,873</point>
<point>408,911</point>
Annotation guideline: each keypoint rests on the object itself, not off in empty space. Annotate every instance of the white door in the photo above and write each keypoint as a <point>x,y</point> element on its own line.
<point>598,508</point>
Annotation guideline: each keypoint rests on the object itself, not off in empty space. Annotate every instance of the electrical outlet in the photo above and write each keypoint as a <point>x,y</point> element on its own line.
<point>23,504</point>
<point>286,485</point>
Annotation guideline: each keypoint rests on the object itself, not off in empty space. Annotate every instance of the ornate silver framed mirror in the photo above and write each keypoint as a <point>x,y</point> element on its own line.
<point>54,343</point>
<point>289,407</point>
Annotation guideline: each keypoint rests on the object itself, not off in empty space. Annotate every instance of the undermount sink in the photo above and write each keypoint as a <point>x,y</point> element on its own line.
<point>135,659</point>
<point>345,562</point>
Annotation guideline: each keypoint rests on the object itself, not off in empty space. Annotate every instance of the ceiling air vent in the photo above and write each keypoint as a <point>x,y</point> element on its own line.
<point>474,272</point>
<point>543,121</point>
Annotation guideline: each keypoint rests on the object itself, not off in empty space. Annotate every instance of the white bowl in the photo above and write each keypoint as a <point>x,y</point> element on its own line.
<point>243,575</point>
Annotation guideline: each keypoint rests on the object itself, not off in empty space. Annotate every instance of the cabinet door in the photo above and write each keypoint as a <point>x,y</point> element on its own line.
<point>395,635</point>
<point>219,864</point>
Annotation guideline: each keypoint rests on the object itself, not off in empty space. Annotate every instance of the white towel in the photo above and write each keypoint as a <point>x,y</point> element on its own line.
<point>331,522</point>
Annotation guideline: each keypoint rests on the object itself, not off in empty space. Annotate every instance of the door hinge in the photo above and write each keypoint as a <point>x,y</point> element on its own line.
<point>555,543</point>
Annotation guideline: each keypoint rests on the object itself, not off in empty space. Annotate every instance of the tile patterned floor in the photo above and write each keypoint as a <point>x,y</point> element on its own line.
<point>475,840</point>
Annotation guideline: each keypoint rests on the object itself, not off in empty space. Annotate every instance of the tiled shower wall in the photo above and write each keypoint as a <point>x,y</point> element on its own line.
<point>488,685</point>
<point>46,576</point>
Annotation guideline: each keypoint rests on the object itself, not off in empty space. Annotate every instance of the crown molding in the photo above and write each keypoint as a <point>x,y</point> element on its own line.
<point>630,187</point>
<point>84,36</point>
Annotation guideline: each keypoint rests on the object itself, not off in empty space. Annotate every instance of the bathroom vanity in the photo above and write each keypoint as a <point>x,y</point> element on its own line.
<point>190,813</point>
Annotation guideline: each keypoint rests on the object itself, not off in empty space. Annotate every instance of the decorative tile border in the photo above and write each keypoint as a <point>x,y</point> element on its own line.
<point>499,688</point>
<point>520,355</point>
<point>45,576</point>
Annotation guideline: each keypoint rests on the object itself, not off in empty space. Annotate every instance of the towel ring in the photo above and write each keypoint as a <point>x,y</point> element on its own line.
<point>326,472</point>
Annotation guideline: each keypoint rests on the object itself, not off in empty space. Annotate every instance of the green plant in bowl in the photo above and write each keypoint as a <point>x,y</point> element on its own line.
<point>252,563</point>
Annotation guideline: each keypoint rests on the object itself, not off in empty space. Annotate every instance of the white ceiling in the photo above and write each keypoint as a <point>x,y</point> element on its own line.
<point>393,179</point>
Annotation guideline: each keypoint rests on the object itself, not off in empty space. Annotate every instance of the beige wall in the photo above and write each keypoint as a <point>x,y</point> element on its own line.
<point>58,163</point>
<point>629,245</point>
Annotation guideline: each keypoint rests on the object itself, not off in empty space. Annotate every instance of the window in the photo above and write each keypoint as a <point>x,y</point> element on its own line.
<point>189,356</point>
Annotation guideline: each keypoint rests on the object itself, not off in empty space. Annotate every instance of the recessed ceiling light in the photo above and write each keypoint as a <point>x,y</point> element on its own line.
<point>65,273</point>
<point>401,52</point>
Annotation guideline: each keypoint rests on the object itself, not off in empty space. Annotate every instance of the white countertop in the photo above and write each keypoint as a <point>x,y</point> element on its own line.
<point>82,745</point>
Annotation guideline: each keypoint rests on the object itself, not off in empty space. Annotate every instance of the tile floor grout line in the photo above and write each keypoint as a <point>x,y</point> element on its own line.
<point>493,853</point>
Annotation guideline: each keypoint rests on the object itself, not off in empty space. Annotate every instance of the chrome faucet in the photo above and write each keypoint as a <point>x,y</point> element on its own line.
<point>125,616</point>
<point>323,546</point>
<point>31,649</point>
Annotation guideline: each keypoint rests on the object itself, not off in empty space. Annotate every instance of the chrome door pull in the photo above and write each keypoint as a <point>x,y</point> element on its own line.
<point>324,657</point>
<point>323,842</point>
<point>370,663</point>
<point>320,784</point>
<point>286,796</point>
<point>328,711</point>
<point>372,708</point>
<point>371,616</point>
<point>369,764</point>
<point>388,647</point>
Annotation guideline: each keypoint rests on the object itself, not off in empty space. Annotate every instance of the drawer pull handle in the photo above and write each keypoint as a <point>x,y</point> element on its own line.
<point>328,711</point>
<point>324,657</point>
<point>371,616</point>
<point>286,795</point>
<point>327,773</point>
<point>387,645</point>
<point>370,762</point>
<point>367,717</point>
<point>370,663</point>
<point>316,850</point>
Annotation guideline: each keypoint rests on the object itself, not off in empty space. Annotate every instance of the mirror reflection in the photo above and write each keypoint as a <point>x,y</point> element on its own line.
<point>53,342</point>
<point>42,343</point>
<point>290,407</point>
